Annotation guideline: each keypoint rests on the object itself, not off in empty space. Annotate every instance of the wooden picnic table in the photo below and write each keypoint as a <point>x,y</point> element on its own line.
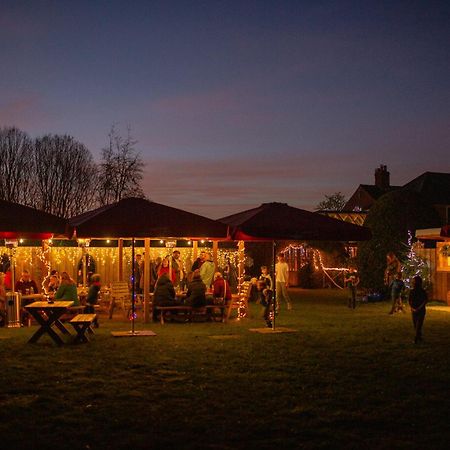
<point>47,315</point>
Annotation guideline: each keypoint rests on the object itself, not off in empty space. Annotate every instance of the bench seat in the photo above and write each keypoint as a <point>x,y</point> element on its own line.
<point>82,323</point>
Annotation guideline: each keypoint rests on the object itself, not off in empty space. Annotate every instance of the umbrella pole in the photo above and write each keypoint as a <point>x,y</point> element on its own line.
<point>274,300</point>
<point>133,286</point>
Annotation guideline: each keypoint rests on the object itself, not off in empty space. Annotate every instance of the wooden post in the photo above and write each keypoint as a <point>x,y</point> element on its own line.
<point>120,250</point>
<point>147,304</point>
<point>215,252</point>
<point>195,250</point>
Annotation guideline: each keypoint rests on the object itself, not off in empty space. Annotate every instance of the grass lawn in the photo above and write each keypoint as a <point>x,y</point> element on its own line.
<point>345,379</point>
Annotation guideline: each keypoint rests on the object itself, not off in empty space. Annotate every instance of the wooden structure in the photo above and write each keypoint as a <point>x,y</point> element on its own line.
<point>437,254</point>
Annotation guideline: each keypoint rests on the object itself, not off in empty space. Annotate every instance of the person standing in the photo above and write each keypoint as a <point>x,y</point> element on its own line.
<point>265,276</point>
<point>393,267</point>
<point>265,299</point>
<point>177,267</point>
<point>138,273</point>
<point>352,281</point>
<point>396,289</point>
<point>417,300</point>
<point>207,270</point>
<point>282,282</point>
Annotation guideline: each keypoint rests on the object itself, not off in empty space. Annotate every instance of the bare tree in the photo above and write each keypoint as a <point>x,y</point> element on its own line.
<point>120,170</point>
<point>65,175</point>
<point>15,166</point>
<point>334,202</point>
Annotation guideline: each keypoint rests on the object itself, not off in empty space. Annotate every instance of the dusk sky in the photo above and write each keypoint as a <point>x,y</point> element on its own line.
<point>237,103</point>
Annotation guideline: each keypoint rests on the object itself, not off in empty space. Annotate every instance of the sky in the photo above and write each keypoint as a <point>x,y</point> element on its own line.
<point>237,103</point>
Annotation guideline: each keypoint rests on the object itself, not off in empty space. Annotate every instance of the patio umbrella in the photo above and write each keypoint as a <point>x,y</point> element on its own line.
<point>279,221</point>
<point>19,221</point>
<point>140,218</point>
<point>23,222</point>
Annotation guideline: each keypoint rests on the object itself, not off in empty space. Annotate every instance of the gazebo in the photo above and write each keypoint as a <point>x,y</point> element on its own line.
<point>132,218</point>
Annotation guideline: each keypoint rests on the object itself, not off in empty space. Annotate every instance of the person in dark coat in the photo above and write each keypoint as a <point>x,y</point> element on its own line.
<point>417,300</point>
<point>196,293</point>
<point>164,294</point>
<point>92,296</point>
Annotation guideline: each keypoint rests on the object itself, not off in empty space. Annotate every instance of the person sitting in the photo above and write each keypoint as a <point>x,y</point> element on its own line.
<point>67,290</point>
<point>26,285</point>
<point>92,296</point>
<point>221,288</point>
<point>53,284</point>
<point>196,293</point>
<point>164,294</point>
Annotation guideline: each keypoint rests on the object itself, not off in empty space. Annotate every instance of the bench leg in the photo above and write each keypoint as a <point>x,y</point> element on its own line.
<point>81,329</point>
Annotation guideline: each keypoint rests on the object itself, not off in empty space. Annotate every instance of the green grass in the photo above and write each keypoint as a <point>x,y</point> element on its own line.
<point>346,379</point>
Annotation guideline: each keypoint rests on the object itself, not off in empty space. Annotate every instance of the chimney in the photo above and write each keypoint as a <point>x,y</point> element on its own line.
<point>382,178</point>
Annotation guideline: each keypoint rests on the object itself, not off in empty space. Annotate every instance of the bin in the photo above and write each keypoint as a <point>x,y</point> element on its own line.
<point>12,310</point>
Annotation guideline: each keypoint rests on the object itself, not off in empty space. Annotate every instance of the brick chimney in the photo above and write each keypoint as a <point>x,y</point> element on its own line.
<point>382,178</point>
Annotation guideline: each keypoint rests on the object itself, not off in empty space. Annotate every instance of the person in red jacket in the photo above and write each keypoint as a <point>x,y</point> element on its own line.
<point>221,288</point>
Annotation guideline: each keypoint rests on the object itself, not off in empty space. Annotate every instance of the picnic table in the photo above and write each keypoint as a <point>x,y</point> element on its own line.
<point>47,315</point>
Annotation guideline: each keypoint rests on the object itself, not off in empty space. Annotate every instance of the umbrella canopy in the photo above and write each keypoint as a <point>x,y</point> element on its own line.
<point>279,221</point>
<point>19,221</point>
<point>141,218</point>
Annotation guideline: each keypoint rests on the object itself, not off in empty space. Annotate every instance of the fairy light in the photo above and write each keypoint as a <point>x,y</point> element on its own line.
<point>44,255</point>
<point>242,311</point>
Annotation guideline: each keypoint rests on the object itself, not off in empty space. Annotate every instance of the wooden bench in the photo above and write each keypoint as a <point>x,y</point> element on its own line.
<point>185,309</point>
<point>82,323</point>
<point>211,311</point>
<point>190,313</point>
<point>240,301</point>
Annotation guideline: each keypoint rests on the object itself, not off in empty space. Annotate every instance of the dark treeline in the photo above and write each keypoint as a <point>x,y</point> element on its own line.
<point>58,174</point>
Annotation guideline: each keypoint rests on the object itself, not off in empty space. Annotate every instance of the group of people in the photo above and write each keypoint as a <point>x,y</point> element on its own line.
<point>174,268</point>
<point>206,286</point>
<point>58,287</point>
<point>393,280</point>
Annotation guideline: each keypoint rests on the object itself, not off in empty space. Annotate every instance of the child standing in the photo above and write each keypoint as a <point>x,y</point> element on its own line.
<point>265,276</point>
<point>265,298</point>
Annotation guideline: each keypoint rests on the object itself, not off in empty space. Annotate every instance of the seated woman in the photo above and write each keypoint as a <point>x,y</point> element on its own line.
<point>67,290</point>
<point>196,293</point>
<point>53,284</point>
<point>164,293</point>
<point>221,288</point>
<point>92,296</point>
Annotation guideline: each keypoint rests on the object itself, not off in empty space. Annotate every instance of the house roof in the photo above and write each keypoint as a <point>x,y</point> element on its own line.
<point>433,186</point>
